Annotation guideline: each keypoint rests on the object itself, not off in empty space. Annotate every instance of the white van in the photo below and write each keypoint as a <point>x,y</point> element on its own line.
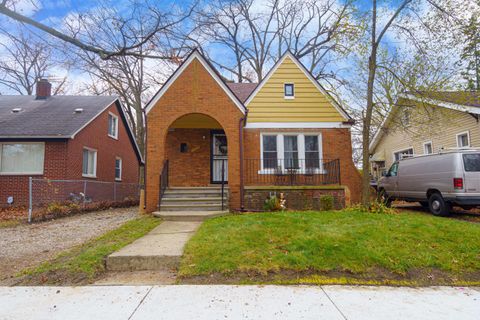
<point>437,181</point>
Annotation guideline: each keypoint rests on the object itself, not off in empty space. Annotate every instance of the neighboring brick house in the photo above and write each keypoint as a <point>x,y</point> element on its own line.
<point>63,137</point>
<point>284,135</point>
<point>424,123</point>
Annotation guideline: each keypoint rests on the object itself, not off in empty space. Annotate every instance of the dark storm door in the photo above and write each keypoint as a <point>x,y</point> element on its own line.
<point>219,157</point>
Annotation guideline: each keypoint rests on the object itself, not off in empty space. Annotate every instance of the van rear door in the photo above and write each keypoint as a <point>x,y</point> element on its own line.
<point>471,165</point>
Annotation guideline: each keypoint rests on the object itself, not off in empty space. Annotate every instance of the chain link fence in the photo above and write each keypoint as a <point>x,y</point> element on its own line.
<point>62,197</point>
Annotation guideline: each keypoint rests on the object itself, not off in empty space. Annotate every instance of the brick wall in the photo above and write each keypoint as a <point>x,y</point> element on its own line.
<point>195,91</point>
<point>296,198</point>
<point>192,168</point>
<point>63,159</point>
<point>95,136</point>
<point>336,144</point>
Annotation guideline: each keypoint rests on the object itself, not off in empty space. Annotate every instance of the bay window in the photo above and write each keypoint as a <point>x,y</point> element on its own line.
<point>22,158</point>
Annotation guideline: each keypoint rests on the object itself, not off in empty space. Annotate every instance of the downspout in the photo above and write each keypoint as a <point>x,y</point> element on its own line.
<point>145,160</point>
<point>241,124</point>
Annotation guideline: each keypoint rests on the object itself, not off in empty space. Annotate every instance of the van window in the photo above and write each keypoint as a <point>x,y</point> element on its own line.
<point>471,162</point>
<point>393,170</point>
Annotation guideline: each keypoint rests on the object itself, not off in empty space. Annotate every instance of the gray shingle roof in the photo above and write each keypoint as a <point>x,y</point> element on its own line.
<point>52,117</point>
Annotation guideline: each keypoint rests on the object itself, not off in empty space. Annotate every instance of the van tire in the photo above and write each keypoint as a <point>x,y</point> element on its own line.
<point>438,206</point>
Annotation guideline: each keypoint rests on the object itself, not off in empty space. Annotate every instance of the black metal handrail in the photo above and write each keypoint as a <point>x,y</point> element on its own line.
<point>273,171</point>
<point>223,183</point>
<point>163,181</point>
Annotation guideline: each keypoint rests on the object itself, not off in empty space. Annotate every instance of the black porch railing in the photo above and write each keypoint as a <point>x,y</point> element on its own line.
<point>163,181</point>
<point>292,172</point>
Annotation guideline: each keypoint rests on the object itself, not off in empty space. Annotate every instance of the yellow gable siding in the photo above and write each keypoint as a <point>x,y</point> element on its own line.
<point>309,105</point>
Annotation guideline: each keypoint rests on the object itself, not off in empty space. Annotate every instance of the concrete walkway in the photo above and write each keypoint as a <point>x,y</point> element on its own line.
<point>238,302</point>
<point>160,249</point>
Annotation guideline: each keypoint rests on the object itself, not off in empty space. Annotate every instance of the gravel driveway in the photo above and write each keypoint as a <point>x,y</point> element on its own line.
<point>27,245</point>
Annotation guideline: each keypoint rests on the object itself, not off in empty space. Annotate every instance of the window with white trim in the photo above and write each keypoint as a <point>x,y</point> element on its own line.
<point>118,169</point>
<point>463,140</point>
<point>312,152</point>
<point>112,126</point>
<point>269,151</point>
<point>89,167</point>
<point>22,158</point>
<point>399,155</point>
<point>289,90</point>
<point>289,151</point>
<point>428,147</point>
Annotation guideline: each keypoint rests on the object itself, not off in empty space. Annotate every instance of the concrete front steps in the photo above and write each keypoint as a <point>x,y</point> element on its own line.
<point>193,199</point>
<point>188,215</point>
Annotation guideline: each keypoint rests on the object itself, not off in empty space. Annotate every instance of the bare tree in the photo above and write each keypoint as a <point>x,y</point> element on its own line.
<point>402,11</point>
<point>318,31</point>
<point>24,60</point>
<point>156,23</point>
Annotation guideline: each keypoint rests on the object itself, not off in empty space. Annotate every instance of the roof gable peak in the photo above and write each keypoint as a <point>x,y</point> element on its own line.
<point>195,55</point>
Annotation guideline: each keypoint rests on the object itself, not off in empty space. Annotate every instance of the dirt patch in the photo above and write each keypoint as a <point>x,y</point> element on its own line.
<point>28,245</point>
<point>376,276</point>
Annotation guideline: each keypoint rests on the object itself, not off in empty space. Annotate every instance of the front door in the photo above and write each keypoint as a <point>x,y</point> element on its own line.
<point>219,158</point>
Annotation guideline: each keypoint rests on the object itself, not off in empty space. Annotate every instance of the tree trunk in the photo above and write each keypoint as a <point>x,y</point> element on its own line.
<point>367,120</point>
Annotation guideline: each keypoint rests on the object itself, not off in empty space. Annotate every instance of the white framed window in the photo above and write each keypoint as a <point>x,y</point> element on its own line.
<point>112,125</point>
<point>405,119</point>
<point>405,153</point>
<point>428,147</point>
<point>463,139</point>
<point>287,151</point>
<point>289,90</point>
<point>22,158</point>
<point>118,169</point>
<point>89,165</point>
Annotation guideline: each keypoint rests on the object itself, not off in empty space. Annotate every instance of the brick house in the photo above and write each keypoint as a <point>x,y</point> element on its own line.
<point>63,137</point>
<point>284,135</point>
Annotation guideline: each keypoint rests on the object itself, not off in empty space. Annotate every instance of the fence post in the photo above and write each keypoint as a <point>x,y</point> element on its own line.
<point>30,196</point>
<point>84,192</point>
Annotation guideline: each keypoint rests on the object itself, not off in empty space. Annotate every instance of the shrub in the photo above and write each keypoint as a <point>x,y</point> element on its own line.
<point>375,207</point>
<point>272,203</point>
<point>326,202</point>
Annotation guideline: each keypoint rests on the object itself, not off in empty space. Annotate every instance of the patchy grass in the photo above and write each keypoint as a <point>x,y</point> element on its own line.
<point>334,247</point>
<point>84,263</point>
<point>9,223</point>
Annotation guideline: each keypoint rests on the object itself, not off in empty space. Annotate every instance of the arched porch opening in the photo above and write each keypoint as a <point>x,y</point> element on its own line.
<point>196,147</point>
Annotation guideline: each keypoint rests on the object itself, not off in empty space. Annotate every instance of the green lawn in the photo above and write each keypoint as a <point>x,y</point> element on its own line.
<point>298,247</point>
<point>85,262</point>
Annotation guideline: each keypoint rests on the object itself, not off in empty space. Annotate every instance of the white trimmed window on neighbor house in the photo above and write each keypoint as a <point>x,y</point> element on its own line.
<point>89,167</point>
<point>463,140</point>
<point>22,158</point>
<point>112,125</point>
<point>427,147</point>
<point>398,155</point>
<point>118,169</point>
<point>291,151</point>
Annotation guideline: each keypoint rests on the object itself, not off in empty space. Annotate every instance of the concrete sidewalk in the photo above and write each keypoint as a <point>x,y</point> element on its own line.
<point>238,302</point>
